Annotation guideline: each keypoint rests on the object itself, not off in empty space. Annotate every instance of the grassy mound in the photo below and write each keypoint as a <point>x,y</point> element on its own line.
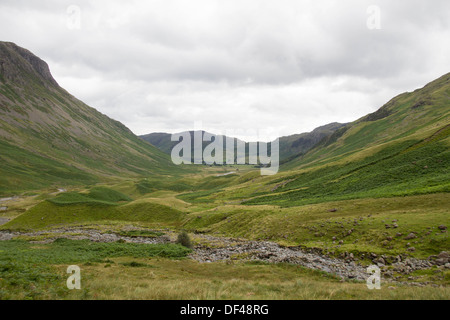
<point>144,211</point>
<point>48,214</point>
<point>97,195</point>
<point>106,194</point>
<point>152,184</point>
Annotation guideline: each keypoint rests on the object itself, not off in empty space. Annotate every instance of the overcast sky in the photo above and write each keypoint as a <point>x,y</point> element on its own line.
<point>279,67</point>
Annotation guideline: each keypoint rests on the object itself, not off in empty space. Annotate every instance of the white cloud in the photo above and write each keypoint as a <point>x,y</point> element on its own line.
<point>288,65</point>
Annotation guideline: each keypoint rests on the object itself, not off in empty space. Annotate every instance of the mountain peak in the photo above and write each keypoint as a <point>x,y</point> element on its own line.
<point>19,65</point>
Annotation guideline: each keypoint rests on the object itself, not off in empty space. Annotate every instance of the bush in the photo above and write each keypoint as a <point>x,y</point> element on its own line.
<point>184,240</point>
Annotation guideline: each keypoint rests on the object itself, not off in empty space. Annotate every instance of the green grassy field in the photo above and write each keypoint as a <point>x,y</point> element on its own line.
<point>27,272</point>
<point>311,226</point>
<point>186,279</point>
<point>132,271</point>
<point>36,270</point>
<point>314,226</point>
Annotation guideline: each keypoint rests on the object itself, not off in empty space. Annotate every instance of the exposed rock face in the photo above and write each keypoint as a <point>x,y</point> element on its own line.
<point>12,56</point>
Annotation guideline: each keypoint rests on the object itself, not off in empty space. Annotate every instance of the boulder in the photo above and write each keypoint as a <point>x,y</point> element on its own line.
<point>410,236</point>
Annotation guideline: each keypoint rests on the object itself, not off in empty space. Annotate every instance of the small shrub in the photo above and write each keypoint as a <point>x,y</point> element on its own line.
<point>184,240</point>
<point>135,264</point>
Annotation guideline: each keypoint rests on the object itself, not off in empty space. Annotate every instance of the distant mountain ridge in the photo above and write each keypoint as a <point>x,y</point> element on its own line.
<point>163,141</point>
<point>290,146</point>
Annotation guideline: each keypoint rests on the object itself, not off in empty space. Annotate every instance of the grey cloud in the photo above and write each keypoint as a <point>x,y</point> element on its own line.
<point>157,65</point>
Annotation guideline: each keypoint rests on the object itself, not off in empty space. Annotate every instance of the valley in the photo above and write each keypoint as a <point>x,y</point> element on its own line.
<point>79,188</point>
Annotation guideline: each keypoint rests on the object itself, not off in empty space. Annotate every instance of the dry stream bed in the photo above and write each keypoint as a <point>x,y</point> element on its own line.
<point>210,249</point>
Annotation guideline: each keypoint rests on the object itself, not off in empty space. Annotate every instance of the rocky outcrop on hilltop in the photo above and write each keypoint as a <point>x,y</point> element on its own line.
<point>12,56</point>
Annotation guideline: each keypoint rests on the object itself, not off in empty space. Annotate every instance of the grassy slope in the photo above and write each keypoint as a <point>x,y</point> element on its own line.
<point>154,202</point>
<point>409,116</point>
<point>314,226</point>
<point>308,225</point>
<point>402,169</point>
<point>51,136</point>
<point>294,145</point>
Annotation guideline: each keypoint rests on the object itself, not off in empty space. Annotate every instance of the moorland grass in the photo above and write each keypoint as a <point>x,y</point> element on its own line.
<point>387,173</point>
<point>315,226</point>
<point>26,270</point>
<point>141,233</point>
<point>162,279</point>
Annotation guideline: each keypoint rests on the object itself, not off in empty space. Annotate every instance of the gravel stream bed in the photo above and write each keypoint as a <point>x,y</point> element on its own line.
<point>226,249</point>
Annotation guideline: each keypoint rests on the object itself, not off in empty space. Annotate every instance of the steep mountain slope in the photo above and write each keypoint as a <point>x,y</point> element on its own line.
<point>290,146</point>
<point>48,137</point>
<point>402,149</point>
<point>161,140</point>
<point>294,145</point>
<point>409,116</point>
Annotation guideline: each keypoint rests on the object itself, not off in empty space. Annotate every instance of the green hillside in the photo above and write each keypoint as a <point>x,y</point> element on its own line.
<point>296,145</point>
<point>414,116</point>
<point>50,138</point>
<point>160,140</point>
